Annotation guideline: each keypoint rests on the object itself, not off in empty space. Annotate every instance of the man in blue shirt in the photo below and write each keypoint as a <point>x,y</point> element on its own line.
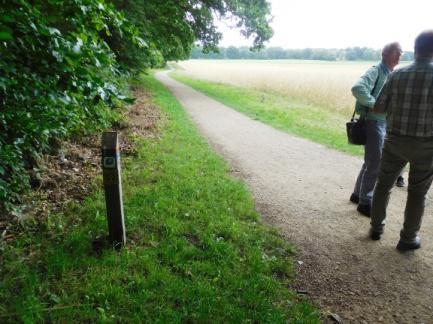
<point>366,90</point>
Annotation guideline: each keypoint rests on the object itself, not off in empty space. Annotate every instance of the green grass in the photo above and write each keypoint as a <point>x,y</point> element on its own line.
<point>196,249</point>
<point>308,121</point>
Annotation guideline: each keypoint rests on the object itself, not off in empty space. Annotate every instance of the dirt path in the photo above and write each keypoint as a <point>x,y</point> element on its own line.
<point>303,188</point>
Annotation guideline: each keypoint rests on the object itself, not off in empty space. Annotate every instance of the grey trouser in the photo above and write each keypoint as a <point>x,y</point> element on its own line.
<point>370,168</point>
<point>397,151</point>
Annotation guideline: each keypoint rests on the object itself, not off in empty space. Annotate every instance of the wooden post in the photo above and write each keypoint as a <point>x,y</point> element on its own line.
<point>113,188</point>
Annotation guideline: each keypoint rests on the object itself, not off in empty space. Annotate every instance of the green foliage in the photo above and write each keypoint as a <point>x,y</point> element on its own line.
<point>57,78</point>
<point>62,63</point>
<point>171,27</point>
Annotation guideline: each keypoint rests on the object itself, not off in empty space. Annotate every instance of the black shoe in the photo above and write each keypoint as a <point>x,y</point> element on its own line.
<point>364,209</point>
<point>400,182</point>
<point>354,198</point>
<point>403,246</point>
<point>375,235</point>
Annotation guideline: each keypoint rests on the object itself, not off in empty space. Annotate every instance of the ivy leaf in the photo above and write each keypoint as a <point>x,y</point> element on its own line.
<point>126,99</point>
<point>7,18</point>
<point>5,33</point>
<point>77,46</point>
<point>54,31</point>
<point>58,56</point>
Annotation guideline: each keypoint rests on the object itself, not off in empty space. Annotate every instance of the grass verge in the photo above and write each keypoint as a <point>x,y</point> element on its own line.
<point>292,116</point>
<point>197,251</point>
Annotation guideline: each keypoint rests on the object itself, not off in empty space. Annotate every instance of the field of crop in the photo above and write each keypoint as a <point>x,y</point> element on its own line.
<point>324,84</point>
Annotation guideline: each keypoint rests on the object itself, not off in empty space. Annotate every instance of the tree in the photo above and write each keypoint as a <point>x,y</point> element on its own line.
<point>276,53</point>
<point>171,27</point>
<point>232,53</point>
<point>272,53</point>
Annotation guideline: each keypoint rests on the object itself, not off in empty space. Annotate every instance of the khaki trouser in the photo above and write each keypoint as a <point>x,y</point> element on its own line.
<point>397,151</point>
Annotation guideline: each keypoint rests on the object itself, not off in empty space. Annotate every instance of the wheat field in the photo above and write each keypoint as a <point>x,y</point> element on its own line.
<point>324,84</point>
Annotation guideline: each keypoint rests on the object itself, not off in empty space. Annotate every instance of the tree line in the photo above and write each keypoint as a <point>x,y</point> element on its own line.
<point>64,66</point>
<point>279,53</point>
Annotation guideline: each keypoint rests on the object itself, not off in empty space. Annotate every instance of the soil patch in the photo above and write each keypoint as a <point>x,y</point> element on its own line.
<point>68,174</point>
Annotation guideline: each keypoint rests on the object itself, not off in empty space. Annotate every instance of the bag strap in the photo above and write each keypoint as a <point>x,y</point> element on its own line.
<point>374,88</point>
<point>377,80</point>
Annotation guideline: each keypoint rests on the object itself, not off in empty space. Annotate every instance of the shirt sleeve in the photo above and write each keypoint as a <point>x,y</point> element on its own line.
<point>362,89</point>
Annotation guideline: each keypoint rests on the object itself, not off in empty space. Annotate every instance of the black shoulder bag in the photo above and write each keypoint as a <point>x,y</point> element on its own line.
<point>356,128</point>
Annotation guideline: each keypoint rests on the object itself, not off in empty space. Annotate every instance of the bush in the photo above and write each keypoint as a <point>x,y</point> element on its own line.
<point>58,77</point>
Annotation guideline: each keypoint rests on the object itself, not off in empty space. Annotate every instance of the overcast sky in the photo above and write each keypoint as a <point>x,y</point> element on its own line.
<point>343,23</point>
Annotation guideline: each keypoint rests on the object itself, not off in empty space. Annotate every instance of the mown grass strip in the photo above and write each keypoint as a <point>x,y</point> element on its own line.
<point>197,251</point>
<point>304,120</point>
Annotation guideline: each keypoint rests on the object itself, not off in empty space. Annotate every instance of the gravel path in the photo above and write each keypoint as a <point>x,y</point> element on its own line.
<point>303,188</point>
